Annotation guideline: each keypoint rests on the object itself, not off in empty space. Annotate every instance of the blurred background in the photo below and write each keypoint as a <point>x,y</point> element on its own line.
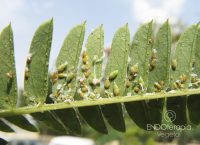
<point>26,15</point>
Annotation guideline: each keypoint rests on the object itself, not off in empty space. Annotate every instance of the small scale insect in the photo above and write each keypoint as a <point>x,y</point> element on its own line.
<point>157,86</point>
<point>154,54</point>
<point>92,96</point>
<point>193,79</point>
<point>91,82</point>
<point>134,69</point>
<point>174,64</point>
<point>141,83</point>
<point>70,77</point>
<point>183,78</point>
<point>174,86</point>
<point>136,89</point>
<point>85,60</point>
<point>29,58</point>
<point>84,57</point>
<point>62,75</point>
<point>150,41</point>
<point>69,85</point>
<point>62,67</point>
<point>84,54</point>
<point>132,77</point>
<point>81,94</point>
<point>84,89</point>
<point>128,83</point>
<point>195,85</point>
<point>178,83</point>
<point>54,77</point>
<point>153,60</point>
<point>9,75</point>
<point>116,90</point>
<point>113,75</point>
<point>106,84</point>
<point>152,64</point>
<point>26,73</point>
<point>87,73</point>
<point>85,68</point>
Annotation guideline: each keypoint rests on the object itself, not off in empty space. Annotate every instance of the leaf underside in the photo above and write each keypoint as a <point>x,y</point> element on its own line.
<point>94,74</point>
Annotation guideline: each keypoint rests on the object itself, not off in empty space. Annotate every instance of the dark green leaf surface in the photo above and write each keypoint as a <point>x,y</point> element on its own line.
<point>22,122</point>
<point>5,128</point>
<point>8,85</point>
<point>193,100</point>
<point>161,72</point>
<point>193,106</point>
<point>184,55</point>
<point>36,73</point>
<point>94,49</point>
<point>3,142</point>
<point>118,60</point>
<point>140,54</point>
<point>50,121</point>
<point>69,119</point>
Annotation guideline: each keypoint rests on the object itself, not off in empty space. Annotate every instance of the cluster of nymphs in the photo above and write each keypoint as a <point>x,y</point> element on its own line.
<point>107,83</point>
<point>180,83</point>
<point>61,80</point>
<point>137,85</point>
<point>88,83</point>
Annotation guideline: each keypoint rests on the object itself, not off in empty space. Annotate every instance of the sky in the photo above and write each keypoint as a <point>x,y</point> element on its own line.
<point>26,15</point>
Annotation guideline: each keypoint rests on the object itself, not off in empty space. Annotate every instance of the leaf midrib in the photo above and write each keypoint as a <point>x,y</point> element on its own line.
<point>102,101</point>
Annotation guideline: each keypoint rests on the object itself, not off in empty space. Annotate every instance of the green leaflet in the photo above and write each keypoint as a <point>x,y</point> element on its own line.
<point>193,101</point>
<point>50,120</point>
<point>184,55</point>
<point>92,58</point>
<point>5,128</point>
<point>159,77</point>
<point>117,60</point>
<point>69,53</point>
<point>64,89</point>
<point>36,72</point>
<point>161,72</point>
<point>140,55</point>
<point>8,85</point>
<point>22,122</point>
<point>94,47</point>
